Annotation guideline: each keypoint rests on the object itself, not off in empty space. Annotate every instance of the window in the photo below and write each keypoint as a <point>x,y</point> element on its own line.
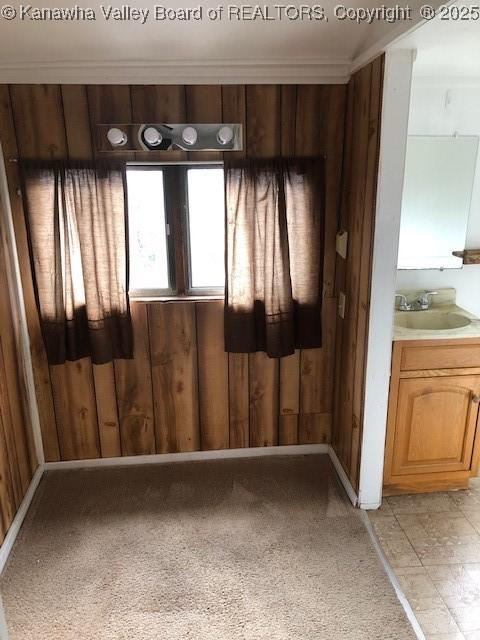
<point>176,229</point>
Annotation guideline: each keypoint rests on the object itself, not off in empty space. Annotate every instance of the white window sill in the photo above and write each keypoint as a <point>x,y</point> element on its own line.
<point>176,298</point>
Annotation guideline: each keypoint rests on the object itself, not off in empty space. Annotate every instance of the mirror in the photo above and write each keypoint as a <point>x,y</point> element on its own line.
<point>437,190</point>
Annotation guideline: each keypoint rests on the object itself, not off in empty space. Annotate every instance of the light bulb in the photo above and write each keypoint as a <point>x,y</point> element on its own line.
<point>225,135</point>
<point>152,136</point>
<point>189,135</point>
<point>117,137</point>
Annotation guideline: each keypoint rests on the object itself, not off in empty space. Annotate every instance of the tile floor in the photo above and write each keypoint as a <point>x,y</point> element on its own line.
<point>432,542</point>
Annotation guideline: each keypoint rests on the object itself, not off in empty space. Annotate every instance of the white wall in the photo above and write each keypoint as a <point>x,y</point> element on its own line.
<point>396,100</point>
<point>443,108</point>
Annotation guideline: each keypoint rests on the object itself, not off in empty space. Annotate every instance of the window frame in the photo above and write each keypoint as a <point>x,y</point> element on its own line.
<point>157,293</point>
<point>175,192</point>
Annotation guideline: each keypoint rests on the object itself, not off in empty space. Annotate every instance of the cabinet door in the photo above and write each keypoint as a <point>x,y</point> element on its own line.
<point>435,424</point>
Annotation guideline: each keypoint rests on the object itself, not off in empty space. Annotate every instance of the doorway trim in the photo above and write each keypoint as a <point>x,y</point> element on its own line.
<point>394,130</point>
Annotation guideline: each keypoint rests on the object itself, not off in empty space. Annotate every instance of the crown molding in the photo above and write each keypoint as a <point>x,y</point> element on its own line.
<point>401,37</point>
<point>298,71</point>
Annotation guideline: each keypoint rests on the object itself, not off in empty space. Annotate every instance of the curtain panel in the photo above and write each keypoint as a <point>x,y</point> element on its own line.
<point>275,228</point>
<point>77,228</point>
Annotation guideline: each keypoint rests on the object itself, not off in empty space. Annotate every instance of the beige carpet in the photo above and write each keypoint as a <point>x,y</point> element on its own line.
<point>259,549</point>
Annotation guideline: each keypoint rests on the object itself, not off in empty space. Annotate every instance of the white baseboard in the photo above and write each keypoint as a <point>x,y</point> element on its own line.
<point>12,533</point>
<point>162,458</point>
<point>393,578</point>
<point>351,493</point>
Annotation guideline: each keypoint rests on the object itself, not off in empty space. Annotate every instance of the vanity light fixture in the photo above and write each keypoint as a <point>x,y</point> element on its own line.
<point>164,136</point>
<point>152,136</point>
<point>189,135</point>
<point>117,137</point>
<point>225,135</point>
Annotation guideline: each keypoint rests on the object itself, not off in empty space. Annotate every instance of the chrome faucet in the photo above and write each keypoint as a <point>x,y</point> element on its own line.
<point>422,303</point>
<point>404,305</point>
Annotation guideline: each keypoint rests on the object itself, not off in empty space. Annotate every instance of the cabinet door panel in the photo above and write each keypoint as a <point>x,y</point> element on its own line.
<point>435,424</point>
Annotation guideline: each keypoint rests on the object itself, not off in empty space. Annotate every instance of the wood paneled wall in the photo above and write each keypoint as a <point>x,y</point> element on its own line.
<point>181,392</point>
<point>18,460</point>
<point>359,184</point>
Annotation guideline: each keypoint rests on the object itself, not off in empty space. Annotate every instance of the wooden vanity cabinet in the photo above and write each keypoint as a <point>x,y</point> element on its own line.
<point>433,416</point>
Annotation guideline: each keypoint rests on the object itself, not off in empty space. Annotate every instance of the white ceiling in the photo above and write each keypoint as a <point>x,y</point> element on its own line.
<point>188,51</point>
<point>446,49</point>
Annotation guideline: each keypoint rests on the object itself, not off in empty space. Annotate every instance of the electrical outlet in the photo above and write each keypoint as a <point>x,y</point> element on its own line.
<point>341,304</point>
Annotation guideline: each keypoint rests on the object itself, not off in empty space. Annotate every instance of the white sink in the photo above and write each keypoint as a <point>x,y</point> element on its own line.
<point>430,320</point>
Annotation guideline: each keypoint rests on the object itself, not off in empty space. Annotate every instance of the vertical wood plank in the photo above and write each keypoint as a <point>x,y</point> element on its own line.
<point>368,215</point>
<point>358,204</point>
<point>289,366</point>
<point>158,103</point>
<point>76,411</point>
<point>16,419</point>
<point>133,381</point>
<point>165,103</point>
<point>212,376</point>
<point>319,130</point>
<point>340,276</point>
<point>317,367</point>
<point>263,107</point>
<point>12,346</point>
<point>264,400</point>
<point>288,429</point>
<point>107,410</point>
<point>263,120</point>
<point>234,110</point>
<point>288,118</point>
<point>108,104</point>
<point>46,125</point>
<point>329,323</point>
<point>39,124</point>
<point>204,105</point>
<point>174,374</point>
<point>77,121</point>
<point>238,385</point>
<point>361,123</point>
<point>72,383</point>
<point>290,384</point>
<point>371,169</point>
<point>79,145</point>
<point>40,366</point>
<point>314,428</point>
<point>7,498</point>
<point>18,481</point>
<point>131,378</point>
<point>311,380</point>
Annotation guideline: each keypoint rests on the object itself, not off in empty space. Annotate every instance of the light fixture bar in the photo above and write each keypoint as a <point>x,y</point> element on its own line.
<point>154,136</point>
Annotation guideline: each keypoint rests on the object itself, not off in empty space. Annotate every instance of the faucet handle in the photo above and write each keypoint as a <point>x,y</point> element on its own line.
<point>424,299</point>
<point>403,305</point>
<point>425,295</point>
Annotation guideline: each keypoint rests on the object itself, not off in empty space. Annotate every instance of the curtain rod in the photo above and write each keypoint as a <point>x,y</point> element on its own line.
<point>172,162</point>
<point>158,162</point>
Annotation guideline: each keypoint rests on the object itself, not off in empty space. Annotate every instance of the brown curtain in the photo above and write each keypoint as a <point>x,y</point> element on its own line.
<point>275,214</point>
<point>77,228</point>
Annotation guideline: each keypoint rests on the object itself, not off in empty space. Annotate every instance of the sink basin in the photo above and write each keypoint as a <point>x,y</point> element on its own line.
<point>430,320</point>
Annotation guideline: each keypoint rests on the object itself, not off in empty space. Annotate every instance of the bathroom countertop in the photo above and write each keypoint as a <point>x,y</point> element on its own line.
<point>470,331</point>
